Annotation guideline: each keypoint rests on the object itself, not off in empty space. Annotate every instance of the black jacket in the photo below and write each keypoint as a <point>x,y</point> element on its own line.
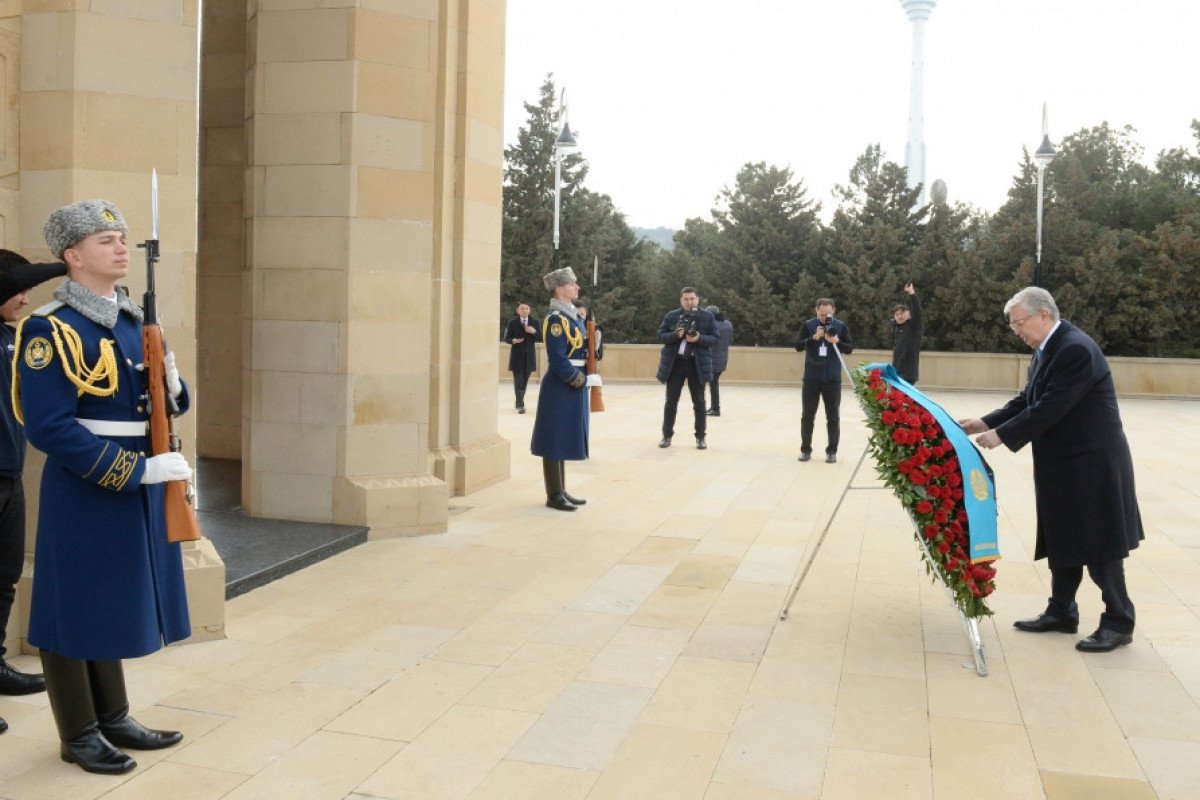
<point>523,357</point>
<point>823,368</point>
<point>706,326</point>
<point>906,352</point>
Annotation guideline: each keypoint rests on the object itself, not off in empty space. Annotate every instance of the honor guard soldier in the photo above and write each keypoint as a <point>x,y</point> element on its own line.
<point>108,585</point>
<point>560,431</point>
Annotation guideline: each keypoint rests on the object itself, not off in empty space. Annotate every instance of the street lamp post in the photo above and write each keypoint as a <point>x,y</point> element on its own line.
<point>565,141</point>
<point>1042,156</point>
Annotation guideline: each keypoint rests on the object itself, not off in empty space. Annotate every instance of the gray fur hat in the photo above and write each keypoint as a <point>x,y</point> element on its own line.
<point>71,224</point>
<point>559,277</point>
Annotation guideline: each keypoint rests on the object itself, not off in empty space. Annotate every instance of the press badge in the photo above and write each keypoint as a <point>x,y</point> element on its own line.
<point>822,351</point>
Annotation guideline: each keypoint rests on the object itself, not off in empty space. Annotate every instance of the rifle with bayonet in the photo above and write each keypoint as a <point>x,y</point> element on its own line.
<point>178,500</point>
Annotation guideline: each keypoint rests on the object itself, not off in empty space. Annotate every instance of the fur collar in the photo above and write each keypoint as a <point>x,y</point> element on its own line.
<point>96,308</point>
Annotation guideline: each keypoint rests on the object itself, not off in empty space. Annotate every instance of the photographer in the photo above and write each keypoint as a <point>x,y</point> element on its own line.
<point>822,375</point>
<point>688,335</point>
<point>910,324</point>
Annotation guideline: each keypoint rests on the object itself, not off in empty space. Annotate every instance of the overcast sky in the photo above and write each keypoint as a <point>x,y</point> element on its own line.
<point>669,98</point>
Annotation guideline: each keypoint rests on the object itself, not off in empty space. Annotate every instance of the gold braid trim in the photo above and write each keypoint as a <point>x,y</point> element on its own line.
<point>99,380</point>
<point>87,380</point>
<point>15,389</point>
<point>576,341</point>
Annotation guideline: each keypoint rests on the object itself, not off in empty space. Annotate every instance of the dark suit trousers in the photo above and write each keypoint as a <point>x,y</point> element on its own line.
<point>715,386</point>
<point>813,392</point>
<point>12,547</point>
<point>684,369</point>
<point>520,382</point>
<point>1110,577</point>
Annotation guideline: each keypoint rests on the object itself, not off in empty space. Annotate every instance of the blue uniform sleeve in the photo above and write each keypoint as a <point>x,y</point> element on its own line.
<point>49,402</point>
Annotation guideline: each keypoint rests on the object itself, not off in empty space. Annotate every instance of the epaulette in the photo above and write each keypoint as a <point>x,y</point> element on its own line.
<point>48,309</point>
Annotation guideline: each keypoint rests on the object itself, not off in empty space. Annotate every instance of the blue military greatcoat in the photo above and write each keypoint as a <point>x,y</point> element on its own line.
<point>560,432</point>
<point>107,584</point>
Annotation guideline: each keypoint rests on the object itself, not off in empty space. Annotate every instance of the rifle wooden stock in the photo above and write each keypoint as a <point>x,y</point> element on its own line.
<point>182,525</point>
<point>597,398</point>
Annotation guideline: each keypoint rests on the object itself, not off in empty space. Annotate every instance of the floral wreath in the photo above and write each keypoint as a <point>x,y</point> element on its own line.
<point>918,462</point>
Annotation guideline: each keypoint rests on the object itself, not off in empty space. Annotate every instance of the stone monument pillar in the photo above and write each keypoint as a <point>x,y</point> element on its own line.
<point>372,229</point>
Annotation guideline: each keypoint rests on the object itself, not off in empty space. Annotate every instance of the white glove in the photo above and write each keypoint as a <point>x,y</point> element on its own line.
<point>593,380</point>
<point>174,385</point>
<point>166,467</point>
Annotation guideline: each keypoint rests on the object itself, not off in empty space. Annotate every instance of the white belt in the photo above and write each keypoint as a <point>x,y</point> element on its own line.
<point>110,427</point>
<point>578,362</point>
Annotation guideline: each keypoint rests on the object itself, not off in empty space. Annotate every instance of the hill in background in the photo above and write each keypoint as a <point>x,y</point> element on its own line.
<point>663,237</point>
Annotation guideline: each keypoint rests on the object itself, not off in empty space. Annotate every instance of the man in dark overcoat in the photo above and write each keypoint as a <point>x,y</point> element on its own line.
<point>17,277</point>
<point>523,333</point>
<point>688,335</point>
<point>1087,510</point>
<point>108,585</point>
<point>560,431</point>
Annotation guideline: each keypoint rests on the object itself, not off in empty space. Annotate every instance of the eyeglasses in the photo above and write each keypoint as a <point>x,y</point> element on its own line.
<point>1016,324</point>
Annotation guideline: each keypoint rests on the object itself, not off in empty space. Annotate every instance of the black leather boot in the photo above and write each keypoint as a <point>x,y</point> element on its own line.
<point>75,717</point>
<point>556,498</point>
<point>112,710</point>
<point>562,481</point>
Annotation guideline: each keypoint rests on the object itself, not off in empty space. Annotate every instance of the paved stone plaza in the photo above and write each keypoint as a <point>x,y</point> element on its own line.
<point>633,649</point>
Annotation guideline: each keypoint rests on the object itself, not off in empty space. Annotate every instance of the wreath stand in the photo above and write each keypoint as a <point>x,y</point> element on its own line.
<point>970,625</point>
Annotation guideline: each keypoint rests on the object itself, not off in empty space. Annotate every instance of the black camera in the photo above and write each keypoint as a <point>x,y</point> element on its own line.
<point>688,320</point>
<point>830,328</point>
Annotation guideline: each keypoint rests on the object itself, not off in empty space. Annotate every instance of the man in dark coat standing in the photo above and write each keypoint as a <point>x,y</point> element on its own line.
<point>560,431</point>
<point>822,376</point>
<point>17,277</point>
<point>1087,511</point>
<point>523,333</point>
<point>720,357</point>
<point>688,335</point>
<point>910,324</point>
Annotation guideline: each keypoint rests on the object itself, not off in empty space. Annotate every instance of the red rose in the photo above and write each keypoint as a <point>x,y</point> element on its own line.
<point>918,477</point>
<point>934,470</point>
<point>900,436</point>
<point>953,478</point>
<point>943,547</point>
<point>961,516</point>
<point>941,515</point>
<point>933,491</point>
<point>955,527</point>
<point>931,432</point>
<point>888,417</point>
<point>930,531</point>
<point>924,507</point>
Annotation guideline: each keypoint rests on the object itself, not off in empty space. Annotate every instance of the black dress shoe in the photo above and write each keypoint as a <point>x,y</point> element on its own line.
<point>15,682</point>
<point>572,499</point>
<point>91,751</point>
<point>714,412</point>
<point>831,458</point>
<point>665,442</point>
<point>701,444</point>
<point>3,725</point>
<point>1103,641</point>
<point>804,456</point>
<point>18,683</point>
<point>125,731</point>
<point>559,502</point>
<point>1047,624</point>
<point>521,410</point>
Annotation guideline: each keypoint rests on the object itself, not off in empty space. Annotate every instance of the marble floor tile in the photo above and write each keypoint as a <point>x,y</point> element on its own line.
<point>660,761</point>
<point>700,694</point>
<point>583,727</point>
<point>857,774</point>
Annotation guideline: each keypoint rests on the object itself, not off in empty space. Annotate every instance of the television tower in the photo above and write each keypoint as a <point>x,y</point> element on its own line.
<point>914,152</point>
